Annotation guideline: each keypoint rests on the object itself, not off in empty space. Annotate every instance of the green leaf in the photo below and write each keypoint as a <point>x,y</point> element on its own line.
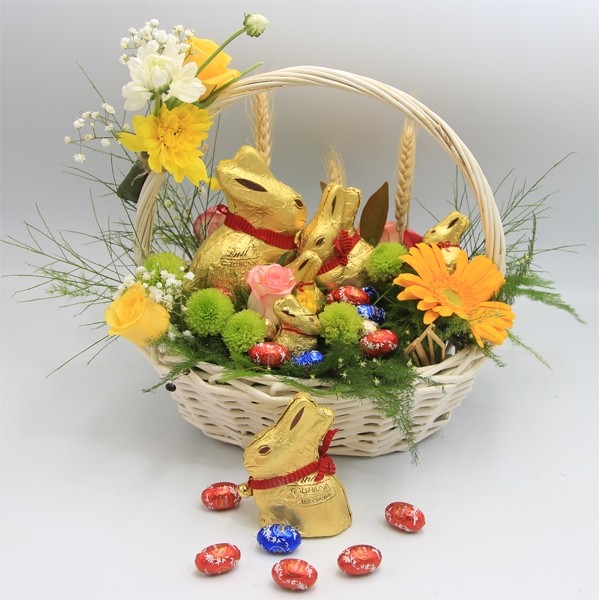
<point>286,258</point>
<point>374,215</point>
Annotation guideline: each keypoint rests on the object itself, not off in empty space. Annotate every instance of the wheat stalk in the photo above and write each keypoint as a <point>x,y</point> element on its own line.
<point>406,168</point>
<point>262,121</point>
<point>334,167</point>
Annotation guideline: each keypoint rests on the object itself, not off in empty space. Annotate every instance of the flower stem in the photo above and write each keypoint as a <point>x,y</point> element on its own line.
<point>223,45</point>
<point>212,96</point>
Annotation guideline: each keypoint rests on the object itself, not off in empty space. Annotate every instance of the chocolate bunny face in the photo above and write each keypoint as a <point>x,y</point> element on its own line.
<point>290,312</point>
<point>332,236</point>
<point>336,212</point>
<point>254,193</point>
<point>290,443</point>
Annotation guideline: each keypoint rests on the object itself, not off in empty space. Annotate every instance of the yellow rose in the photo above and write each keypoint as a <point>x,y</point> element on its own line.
<point>216,74</point>
<point>137,318</point>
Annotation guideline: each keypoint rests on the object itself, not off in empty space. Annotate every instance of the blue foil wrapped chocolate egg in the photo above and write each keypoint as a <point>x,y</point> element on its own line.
<point>371,292</point>
<point>279,539</point>
<point>308,358</point>
<point>373,313</point>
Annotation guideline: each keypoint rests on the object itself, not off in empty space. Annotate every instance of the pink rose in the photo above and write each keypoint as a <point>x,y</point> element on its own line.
<point>268,283</point>
<point>207,222</point>
<point>390,234</point>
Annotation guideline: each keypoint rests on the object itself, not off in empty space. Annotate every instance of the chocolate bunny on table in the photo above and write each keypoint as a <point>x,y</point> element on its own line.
<point>263,216</point>
<point>292,480</point>
<point>332,236</point>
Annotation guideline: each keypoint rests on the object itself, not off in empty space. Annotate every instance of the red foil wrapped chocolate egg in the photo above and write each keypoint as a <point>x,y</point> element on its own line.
<point>222,495</point>
<point>294,574</point>
<point>350,294</point>
<point>404,516</point>
<point>378,343</point>
<point>359,560</point>
<point>217,559</point>
<point>269,354</point>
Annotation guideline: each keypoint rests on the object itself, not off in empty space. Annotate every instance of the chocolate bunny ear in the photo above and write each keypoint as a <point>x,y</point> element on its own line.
<point>350,202</point>
<point>305,417</point>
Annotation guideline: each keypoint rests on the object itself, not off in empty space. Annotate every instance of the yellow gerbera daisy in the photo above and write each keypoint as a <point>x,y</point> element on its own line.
<point>172,140</point>
<point>465,293</point>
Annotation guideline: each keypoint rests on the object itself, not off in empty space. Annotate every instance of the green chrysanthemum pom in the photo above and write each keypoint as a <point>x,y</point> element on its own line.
<point>207,312</point>
<point>243,330</point>
<point>165,261</point>
<point>384,263</point>
<point>341,323</point>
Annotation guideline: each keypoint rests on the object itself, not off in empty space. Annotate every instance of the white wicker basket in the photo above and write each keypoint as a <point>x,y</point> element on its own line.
<point>235,411</point>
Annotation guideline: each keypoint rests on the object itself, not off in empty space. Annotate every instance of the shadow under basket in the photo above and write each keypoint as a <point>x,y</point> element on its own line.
<point>235,411</point>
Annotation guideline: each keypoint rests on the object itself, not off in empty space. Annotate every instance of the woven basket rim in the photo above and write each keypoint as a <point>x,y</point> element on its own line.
<point>434,125</point>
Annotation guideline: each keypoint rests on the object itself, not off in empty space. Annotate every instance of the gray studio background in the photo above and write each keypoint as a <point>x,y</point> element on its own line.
<point>91,466</point>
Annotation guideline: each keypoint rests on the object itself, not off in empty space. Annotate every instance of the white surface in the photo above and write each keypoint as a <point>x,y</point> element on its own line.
<point>101,482</point>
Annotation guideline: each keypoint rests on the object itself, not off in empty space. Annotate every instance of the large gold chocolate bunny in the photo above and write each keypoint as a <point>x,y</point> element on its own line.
<point>292,479</point>
<point>332,236</point>
<point>263,215</point>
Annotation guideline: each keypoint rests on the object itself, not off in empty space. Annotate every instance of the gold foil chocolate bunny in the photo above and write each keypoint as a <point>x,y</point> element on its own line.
<point>332,236</point>
<point>292,479</point>
<point>298,326</point>
<point>446,234</point>
<point>262,217</point>
<point>305,269</point>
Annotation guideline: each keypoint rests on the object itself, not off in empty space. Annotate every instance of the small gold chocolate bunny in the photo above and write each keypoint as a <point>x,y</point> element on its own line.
<point>332,236</point>
<point>447,234</point>
<point>298,326</point>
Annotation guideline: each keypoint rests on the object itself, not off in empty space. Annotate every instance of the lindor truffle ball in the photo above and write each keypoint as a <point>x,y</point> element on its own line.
<point>222,495</point>
<point>378,343</point>
<point>349,294</point>
<point>294,574</point>
<point>217,559</point>
<point>279,539</point>
<point>361,559</point>
<point>269,354</point>
<point>405,516</point>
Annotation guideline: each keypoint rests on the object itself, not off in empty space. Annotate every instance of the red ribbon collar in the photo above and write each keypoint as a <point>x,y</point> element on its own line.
<point>324,465</point>
<point>237,223</point>
<point>343,244</point>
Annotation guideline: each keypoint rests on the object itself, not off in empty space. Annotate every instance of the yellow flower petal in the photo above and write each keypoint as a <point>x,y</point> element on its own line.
<point>216,73</point>
<point>137,318</point>
<point>172,140</point>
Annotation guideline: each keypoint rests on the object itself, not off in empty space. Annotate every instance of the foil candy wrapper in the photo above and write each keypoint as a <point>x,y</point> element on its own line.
<point>372,313</point>
<point>294,574</point>
<point>262,204</point>
<point>308,359</point>
<point>277,458</point>
<point>278,539</point>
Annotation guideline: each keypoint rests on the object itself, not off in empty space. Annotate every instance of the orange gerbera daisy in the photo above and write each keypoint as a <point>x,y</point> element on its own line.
<point>465,293</point>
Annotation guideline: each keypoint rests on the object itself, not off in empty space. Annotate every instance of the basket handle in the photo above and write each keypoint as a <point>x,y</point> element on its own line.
<point>436,127</point>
